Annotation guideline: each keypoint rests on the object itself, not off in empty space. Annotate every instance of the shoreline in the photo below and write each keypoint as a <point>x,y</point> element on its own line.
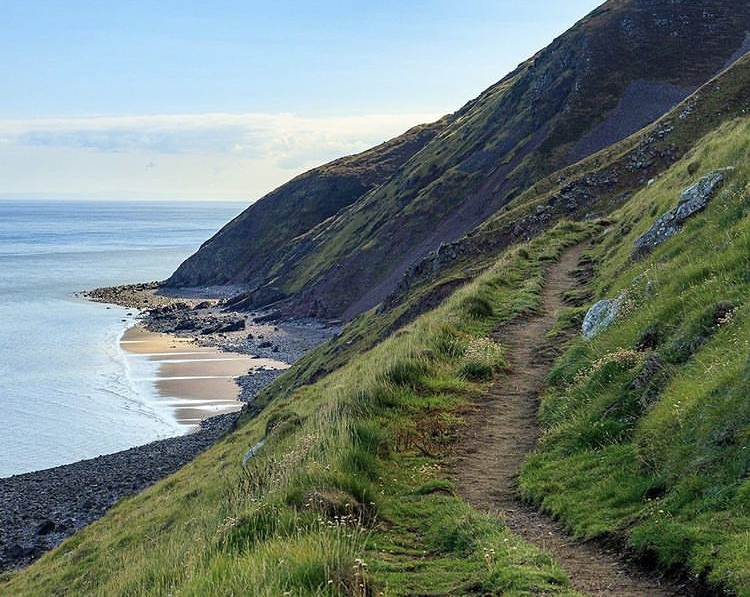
<point>40,509</point>
<point>189,381</point>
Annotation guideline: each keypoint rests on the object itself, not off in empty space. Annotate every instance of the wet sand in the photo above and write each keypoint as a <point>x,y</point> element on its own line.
<point>198,368</point>
<point>194,381</point>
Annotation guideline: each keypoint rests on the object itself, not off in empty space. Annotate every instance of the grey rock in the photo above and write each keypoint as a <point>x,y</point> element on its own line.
<point>252,452</point>
<point>601,316</point>
<point>234,325</point>
<point>692,200</point>
<point>45,527</point>
<point>186,324</point>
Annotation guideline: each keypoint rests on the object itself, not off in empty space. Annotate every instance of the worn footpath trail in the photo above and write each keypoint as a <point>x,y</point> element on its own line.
<point>503,431</point>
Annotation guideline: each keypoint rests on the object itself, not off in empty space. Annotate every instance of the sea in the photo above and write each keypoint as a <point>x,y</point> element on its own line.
<point>66,389</point>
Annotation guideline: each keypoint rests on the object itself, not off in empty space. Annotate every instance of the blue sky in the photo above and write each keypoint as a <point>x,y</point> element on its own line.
<point>228,99</point>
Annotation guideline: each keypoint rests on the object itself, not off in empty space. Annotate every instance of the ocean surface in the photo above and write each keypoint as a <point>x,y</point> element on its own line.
<point>66,391</point>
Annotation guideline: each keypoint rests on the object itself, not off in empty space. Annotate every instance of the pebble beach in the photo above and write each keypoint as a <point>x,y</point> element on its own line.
<point>38,510</point>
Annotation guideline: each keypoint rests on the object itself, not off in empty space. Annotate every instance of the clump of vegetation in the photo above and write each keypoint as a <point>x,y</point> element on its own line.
<point>647,427</point>
<point>478,307</point>
<point>481,360</point>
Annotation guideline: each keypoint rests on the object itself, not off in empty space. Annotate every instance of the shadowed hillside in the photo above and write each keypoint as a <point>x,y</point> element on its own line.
<point>244,250</point>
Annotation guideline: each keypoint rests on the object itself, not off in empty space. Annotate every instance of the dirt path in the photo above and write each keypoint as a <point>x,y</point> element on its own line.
<point>503,430</point>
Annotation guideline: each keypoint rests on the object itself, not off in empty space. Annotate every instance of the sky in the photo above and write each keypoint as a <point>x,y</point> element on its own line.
<point>226,100</point>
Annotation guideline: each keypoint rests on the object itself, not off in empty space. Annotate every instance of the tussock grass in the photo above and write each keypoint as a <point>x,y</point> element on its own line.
<point>647,427</point>
<point>346,494</point>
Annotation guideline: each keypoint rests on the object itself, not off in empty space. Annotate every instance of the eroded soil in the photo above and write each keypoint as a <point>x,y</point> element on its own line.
<point>502,431</point>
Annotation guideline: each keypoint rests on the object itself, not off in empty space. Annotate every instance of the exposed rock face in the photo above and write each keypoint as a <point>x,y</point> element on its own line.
<point>692,200</point>
<point>641,103</point>
<point>601,316</point>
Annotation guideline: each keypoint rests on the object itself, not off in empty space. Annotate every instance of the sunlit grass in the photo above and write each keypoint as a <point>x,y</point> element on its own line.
<point>647,427</point>
<point>346,496</point>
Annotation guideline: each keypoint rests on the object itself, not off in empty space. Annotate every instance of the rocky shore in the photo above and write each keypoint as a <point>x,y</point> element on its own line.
<point>38,510</point>
<point>210,322</point>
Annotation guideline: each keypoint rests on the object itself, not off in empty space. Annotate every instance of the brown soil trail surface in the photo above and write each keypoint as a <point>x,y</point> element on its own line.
<point>503,430</point>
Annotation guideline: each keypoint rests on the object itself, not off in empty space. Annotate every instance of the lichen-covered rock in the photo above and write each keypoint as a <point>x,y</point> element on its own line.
<point>601,316</point>
<point>692,200</point>
<point>252,452</point>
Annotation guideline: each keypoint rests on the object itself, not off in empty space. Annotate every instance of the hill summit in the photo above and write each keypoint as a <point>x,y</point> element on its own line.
<point>337,240</point>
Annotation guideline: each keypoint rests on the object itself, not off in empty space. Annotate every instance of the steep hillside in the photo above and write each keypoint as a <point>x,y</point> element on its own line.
<point>347,483</point>
<point>647,425</point>
<point>350,492</point>
<point>243,250</point>
<point>644,428</point>
<point>345,495</point>
<point>612,73</point>
<point>593,187</point>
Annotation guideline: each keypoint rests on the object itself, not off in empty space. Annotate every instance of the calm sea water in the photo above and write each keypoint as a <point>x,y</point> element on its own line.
<point>65,389</point>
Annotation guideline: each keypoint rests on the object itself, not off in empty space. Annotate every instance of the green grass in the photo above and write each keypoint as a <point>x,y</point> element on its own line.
<point>645,433</point>
<point>348,495</point>
<point>647,427</point>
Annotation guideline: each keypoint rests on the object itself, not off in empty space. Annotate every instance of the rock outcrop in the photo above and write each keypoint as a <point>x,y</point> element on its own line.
<point>692,200</point>
<point>601,316</point>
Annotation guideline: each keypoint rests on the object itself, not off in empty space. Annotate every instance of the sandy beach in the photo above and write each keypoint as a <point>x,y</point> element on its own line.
<point>194,381</point>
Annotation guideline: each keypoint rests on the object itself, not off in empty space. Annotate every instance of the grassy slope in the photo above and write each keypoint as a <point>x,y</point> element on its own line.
<point>667,465</point>
<point>347,496</point>
<point>647,427</point>
<point>599,184</point>
<point>722,99</point>
<point>517,132</point>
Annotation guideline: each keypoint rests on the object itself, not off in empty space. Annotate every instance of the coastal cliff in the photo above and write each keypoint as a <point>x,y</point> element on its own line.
<point>553,390</point>
<point>611,74</point>
<point>243,251</point>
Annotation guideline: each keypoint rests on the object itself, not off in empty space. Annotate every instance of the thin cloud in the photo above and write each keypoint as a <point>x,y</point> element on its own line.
<point>245,134</point>
<point>236,155</point>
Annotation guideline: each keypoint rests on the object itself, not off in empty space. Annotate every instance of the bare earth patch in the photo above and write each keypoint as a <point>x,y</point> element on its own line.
<point>502,430</point>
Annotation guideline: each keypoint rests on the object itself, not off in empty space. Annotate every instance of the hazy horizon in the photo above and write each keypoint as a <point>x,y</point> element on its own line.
<point>194,102</point>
